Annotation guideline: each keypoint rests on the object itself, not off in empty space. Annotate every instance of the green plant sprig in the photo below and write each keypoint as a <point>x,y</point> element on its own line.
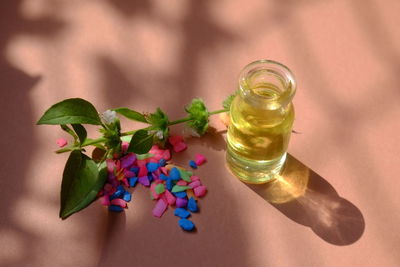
<point>84,177</point>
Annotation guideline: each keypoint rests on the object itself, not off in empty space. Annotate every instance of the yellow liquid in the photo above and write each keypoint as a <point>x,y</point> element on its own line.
<point>258,135</point>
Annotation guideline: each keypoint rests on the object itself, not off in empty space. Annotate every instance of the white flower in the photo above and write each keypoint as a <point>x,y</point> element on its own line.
<point>158,133</point>
<point>109,116</point>
<point>190,131</point>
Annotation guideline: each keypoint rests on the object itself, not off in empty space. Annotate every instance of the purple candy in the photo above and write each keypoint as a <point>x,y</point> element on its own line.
<point>144,180</point>
<point>128,160</point>
<point>181,202</point>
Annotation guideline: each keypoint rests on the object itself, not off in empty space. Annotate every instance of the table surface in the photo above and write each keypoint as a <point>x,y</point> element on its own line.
<point>338,204</point>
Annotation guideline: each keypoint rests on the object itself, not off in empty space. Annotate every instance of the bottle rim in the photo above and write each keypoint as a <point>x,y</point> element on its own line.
<point>278,69</point>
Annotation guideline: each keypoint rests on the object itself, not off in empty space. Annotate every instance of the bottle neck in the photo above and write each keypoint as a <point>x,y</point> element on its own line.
<point>267,84</point>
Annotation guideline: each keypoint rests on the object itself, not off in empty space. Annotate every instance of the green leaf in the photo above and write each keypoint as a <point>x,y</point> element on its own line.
<point>80,131</point>
<point>141,142</point>
<point>199,116</point>
<point>69,131</point>
<point>131,114</point>
<point>228,101</point>
<point>81,183</point>
<point>71,111</point>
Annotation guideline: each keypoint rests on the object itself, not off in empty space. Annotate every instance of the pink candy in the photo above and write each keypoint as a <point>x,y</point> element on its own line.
<point>105,200</point>
<point>62,142</point>
<point>143,171</point>
<point>124,147</point>
<point>110,165</point>
<point>200,191</point>
<point>175,139</point>
<point>178,143</point>
<point>166,155</point>
<point>194,178</point>
<point>181,182</point>
<point>160,153</point>
<point>200,159</point>
<point>119,202</point>
<point>180,147</point>
<point>159,208</point>
<point>170,197</point>
<point>195,184</point>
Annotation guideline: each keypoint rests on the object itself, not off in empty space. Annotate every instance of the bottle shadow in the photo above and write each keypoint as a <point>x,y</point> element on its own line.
<point>308,199</point>
<point>304,197</point>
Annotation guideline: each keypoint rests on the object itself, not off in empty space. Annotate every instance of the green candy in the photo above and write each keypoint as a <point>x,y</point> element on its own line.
<point>185,175</point>
<point>179,188</point>
<point>159,189</point>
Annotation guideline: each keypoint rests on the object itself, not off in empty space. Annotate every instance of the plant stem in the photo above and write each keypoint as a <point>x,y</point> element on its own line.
<point>179,121</point>
<point>218,111</point>
<point>94,141</point>
<point>189,119</point>
<point>102,139</point>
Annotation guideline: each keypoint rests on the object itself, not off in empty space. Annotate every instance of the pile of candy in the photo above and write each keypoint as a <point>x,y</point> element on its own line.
<point>170,185</point>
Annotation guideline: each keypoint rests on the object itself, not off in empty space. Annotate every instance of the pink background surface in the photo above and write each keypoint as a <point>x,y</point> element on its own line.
<point>148,54</point>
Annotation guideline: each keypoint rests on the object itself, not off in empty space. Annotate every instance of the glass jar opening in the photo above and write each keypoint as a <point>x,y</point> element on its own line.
<point>267,81</point>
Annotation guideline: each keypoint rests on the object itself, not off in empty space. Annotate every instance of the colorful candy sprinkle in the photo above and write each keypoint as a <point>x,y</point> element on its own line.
<point>182,213</point>
<point>169,185</point>
<point>192,205</point>
<point>160,189</point>
<point>160,208</point>
<point>192,164</point>
<point>62,142</point>
<point>181,202</point>
<point>186,224</point>
<point>179,188</point>
<point>200,191</point>
<point>200,159</point>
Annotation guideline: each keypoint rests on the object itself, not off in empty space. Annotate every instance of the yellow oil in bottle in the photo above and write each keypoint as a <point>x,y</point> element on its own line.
<point>259,133</point>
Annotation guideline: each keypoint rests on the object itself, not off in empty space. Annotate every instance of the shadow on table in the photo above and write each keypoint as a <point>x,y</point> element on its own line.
<point>113,227</point>
<point>308,199</point>
<point>305,197</point>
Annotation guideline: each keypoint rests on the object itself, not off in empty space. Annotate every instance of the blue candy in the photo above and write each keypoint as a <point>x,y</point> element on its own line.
<point>115,208</point>
<point>135,170</point>
<point>193,164</point>
<point>127,196</point>
<point>150,177</point>
<point>132,181</point>
<point>174,174</point>
<point>118,193</point>
<point>182,213</point>
<point>169,184</point>
<point>192,205</point>
<point>162,162</point>
<point>152,166</point>
<point>186,225</point>
<point>180,194</point>
<point>163,177</point>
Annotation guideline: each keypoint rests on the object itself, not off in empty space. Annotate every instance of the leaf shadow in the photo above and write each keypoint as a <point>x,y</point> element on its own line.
<point>17,136</point>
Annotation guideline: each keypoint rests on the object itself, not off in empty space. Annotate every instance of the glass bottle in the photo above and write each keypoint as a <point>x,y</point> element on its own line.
<point>261,117</point>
